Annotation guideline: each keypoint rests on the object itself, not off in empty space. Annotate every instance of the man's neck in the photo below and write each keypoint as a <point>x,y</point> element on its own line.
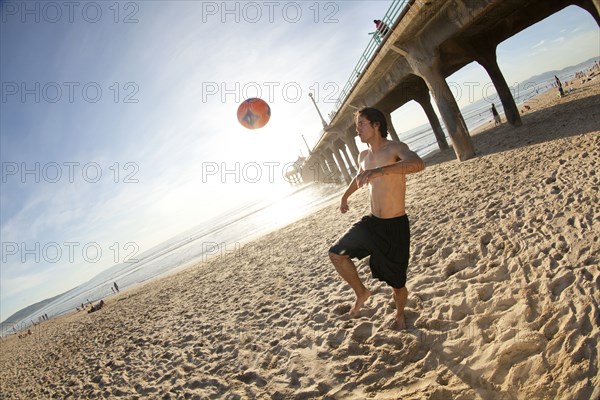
<point>376,143</point>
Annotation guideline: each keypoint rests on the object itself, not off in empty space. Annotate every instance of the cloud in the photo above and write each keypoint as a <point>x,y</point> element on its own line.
<point>19,283</point>
<point>540,43</point>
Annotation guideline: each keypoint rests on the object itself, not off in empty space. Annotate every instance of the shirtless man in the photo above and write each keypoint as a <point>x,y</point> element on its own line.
<point>384,235</point>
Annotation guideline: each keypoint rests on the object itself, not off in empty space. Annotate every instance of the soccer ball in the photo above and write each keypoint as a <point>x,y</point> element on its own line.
<point>254,113</point>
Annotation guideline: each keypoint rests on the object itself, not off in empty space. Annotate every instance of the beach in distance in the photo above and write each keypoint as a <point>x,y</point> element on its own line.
<point>503,280</point>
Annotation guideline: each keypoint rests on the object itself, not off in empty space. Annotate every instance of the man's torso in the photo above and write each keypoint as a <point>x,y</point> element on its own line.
<point>387,191</point>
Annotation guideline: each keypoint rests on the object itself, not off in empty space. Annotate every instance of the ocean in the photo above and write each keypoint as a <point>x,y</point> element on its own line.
<point>228,232</point>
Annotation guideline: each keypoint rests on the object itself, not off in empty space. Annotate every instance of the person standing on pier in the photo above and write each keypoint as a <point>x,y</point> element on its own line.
<point>382,28</point>
<point>384,234</point>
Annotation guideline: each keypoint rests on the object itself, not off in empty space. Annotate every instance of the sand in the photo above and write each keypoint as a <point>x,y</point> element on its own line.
<point>504,284</point>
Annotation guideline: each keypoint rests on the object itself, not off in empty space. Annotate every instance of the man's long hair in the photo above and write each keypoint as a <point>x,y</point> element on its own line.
<point>373,115</point>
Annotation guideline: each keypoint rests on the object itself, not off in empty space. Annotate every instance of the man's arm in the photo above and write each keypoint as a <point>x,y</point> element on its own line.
<point>352,187</point>
<point>409,163</point>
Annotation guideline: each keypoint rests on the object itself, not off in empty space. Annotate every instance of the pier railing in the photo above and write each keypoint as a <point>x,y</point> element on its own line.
<point>377,39</point>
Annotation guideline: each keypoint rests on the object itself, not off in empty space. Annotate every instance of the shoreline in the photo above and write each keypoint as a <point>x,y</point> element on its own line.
<point>503,294</point>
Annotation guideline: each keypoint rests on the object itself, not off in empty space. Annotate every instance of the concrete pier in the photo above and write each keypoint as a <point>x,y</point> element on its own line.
<point>429,41</point>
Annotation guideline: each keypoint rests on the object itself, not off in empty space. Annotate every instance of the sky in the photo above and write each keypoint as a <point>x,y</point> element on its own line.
<point>118,119</point>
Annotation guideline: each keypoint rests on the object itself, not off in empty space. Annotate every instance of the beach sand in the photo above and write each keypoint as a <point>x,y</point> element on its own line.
<point>504,285</point>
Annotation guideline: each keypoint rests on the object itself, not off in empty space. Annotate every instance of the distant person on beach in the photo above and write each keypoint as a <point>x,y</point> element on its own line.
<point>561,91</point>
<point>384,234</point>
<point>558,82</point>
<point>116,287</point>
<point>96,307</point>
<point>497,120</point>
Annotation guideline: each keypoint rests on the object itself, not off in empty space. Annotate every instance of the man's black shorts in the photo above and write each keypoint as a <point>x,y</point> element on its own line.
<point>386,240</point>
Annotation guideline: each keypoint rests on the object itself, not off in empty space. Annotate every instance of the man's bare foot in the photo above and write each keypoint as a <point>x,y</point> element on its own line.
<point>399,323</point>
<point>360,300</point>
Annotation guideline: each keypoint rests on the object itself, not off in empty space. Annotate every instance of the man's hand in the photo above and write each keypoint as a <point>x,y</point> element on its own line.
<point>367,176</point>
<point>344,206</point>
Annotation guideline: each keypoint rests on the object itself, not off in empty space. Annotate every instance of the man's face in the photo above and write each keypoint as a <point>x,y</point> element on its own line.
<point>365,129</point>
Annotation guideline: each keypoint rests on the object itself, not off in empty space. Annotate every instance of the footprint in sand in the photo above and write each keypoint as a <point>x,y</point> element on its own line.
<point>513,352</point>
<point>249,377</point>
<point>204,383</point>
<point>362,332</point>
<point>341,309</point>
<point>319,318</point>
<point>484,242</point>
<point>558,285</point>
<point>335,339</point>
<point>458,263</point>
<point>393,341</point>
<point>486,292</point>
